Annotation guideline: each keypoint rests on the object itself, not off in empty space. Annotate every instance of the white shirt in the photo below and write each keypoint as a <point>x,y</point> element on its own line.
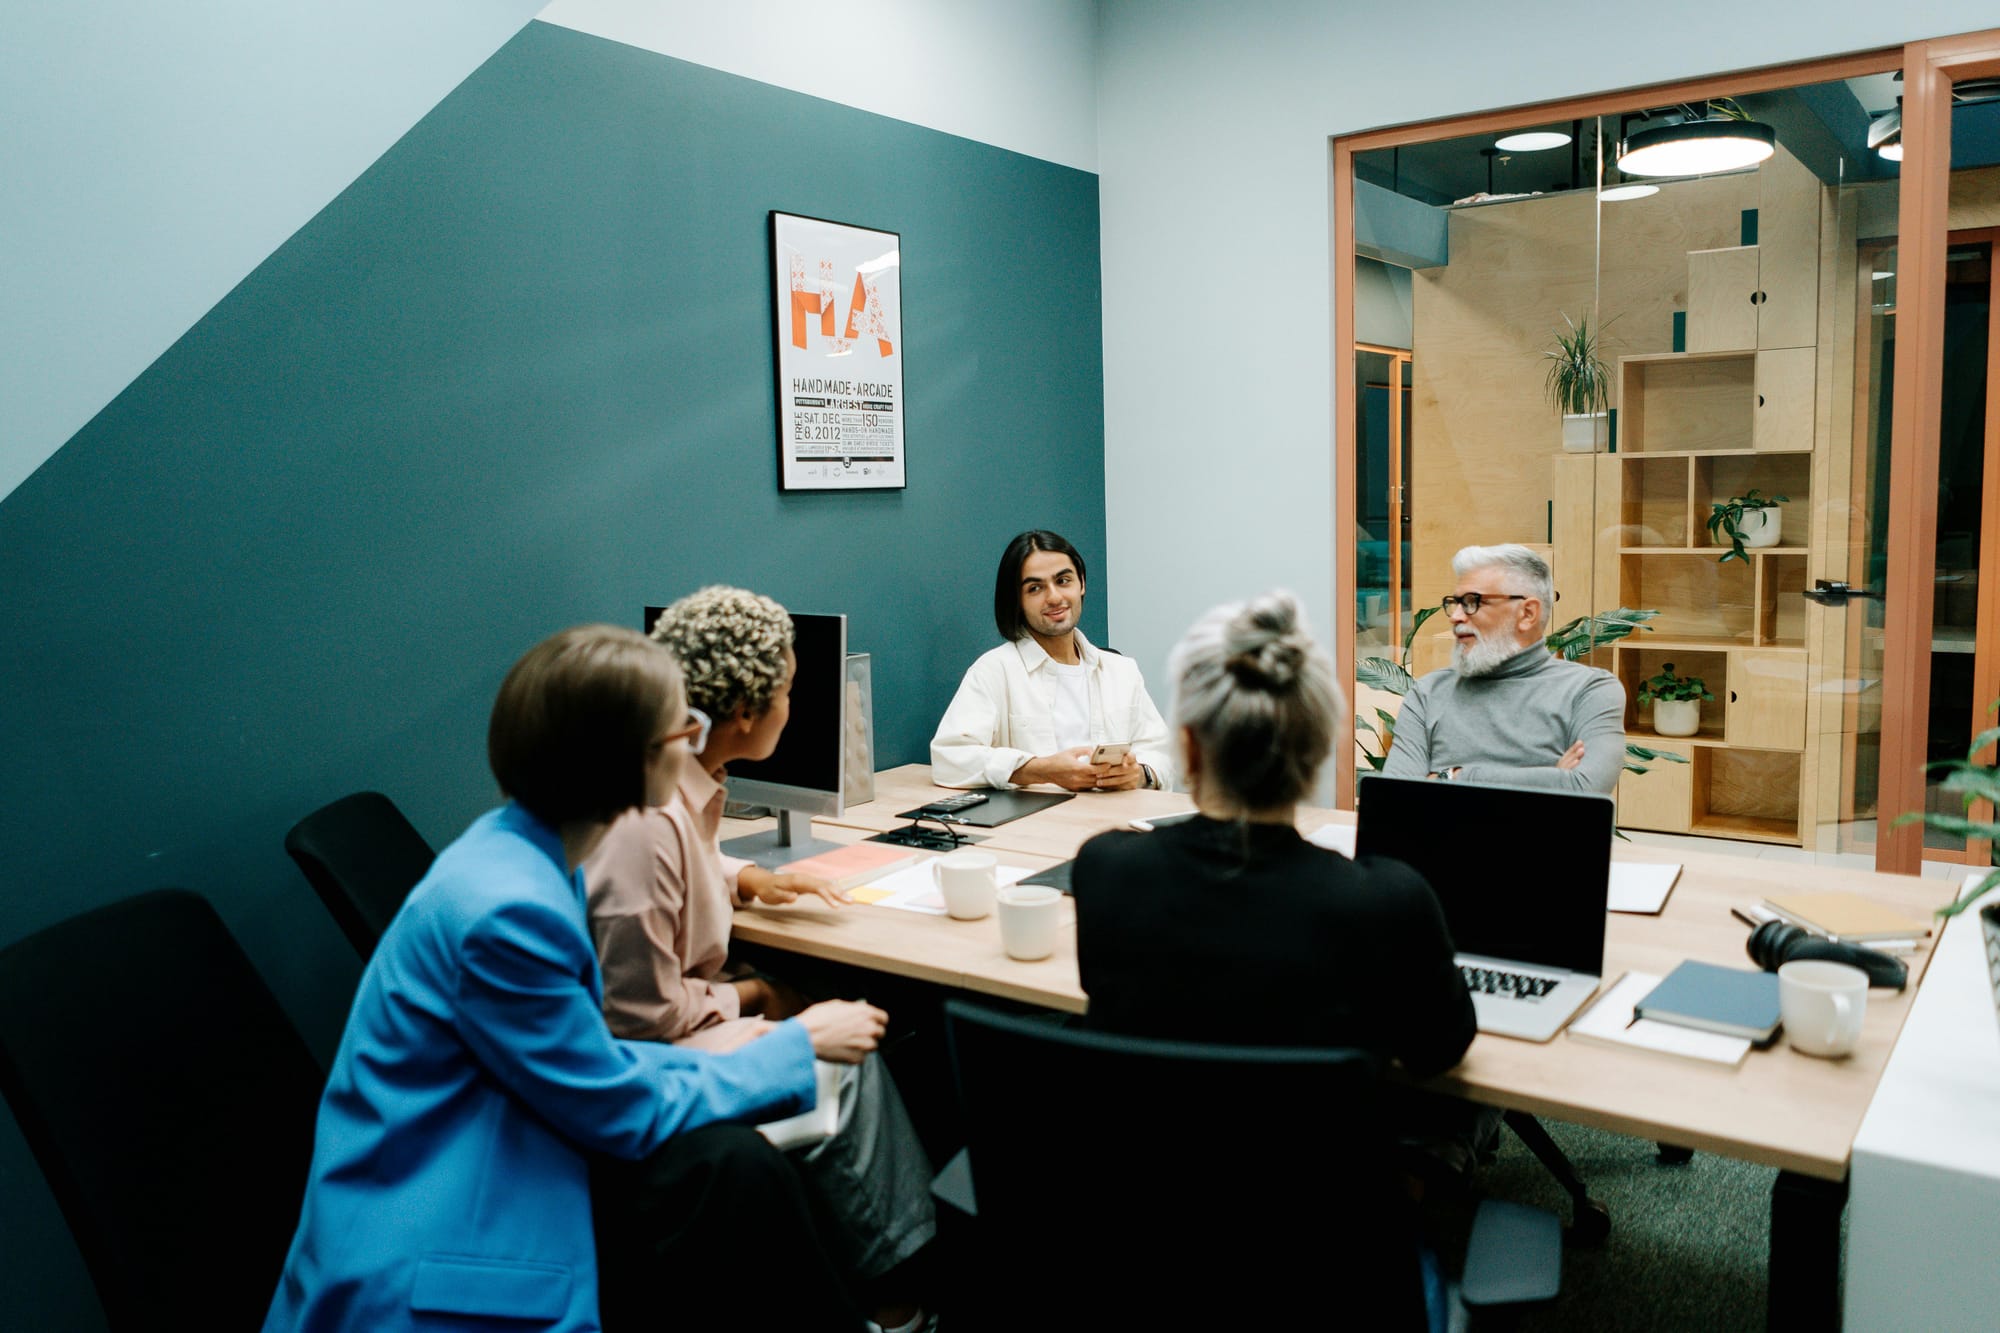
<point>1004,714</point>
<point>1070,706</point>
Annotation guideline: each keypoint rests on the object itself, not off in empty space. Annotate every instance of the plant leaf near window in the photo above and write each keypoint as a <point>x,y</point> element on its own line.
<point>1971,779</point>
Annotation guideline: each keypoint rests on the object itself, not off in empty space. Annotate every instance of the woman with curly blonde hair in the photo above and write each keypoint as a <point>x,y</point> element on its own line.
<point>662,895</point>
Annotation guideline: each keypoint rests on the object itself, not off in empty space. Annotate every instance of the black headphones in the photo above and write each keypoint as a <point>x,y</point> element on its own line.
<point>1778,942</point>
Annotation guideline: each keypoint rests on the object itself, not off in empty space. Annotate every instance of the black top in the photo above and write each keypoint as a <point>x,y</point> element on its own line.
<point>1220,932</point>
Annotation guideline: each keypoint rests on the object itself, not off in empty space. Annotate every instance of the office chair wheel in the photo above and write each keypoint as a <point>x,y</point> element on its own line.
<point>1589,1224</point>
<point>1673,1156</point>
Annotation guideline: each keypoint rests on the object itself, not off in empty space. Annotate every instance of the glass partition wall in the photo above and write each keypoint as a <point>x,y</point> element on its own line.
<point>1720,509</point>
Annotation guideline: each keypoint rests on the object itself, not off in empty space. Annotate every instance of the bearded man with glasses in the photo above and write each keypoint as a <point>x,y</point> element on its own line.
<point>1507,711</point>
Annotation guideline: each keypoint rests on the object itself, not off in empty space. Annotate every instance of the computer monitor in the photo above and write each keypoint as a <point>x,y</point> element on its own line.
<point>802,778</point>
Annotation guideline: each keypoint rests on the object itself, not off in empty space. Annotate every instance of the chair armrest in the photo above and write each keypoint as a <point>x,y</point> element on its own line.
<point>1513,1258</point>
<point>952,1186</point>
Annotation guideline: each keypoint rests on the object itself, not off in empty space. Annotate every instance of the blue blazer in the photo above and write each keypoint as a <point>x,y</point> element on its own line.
<point>449,1181</point>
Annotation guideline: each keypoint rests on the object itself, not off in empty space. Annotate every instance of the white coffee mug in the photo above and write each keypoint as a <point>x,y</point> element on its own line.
<point>968,881</point>
<point>1822,1004</point>
<point>1030,917</point>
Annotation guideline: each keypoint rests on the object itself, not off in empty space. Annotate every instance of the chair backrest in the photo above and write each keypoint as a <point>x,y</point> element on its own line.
<point>362,857</point>
<point>169,1102</point>
<point>1131,1183</point>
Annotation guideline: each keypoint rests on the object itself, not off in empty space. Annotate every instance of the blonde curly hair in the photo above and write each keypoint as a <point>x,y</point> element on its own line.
<point>731,644</point>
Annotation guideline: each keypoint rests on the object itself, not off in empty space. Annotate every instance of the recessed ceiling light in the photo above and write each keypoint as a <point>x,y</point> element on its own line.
<point>1878,274</point>
<point>1892,150</point>
<point>1697,148</point>
<point>1532,141</point>
<point>1618,192</point>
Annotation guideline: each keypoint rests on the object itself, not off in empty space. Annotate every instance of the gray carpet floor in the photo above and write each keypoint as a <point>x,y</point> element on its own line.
<point>1688,1244</point>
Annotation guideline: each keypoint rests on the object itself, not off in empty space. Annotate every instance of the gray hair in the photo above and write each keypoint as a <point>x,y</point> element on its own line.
<point>1259,695</point>
<point>1526,573</point>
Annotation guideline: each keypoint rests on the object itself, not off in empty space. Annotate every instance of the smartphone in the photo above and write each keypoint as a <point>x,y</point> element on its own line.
<point>1110,754</point>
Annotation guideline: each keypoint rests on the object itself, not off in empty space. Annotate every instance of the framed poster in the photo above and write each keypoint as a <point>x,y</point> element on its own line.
<point>837,315</point>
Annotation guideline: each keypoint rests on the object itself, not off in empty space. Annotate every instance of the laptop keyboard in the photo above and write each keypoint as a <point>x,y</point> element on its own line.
<point>1513,985</point>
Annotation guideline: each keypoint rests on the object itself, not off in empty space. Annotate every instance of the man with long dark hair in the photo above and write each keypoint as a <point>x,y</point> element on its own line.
<point>1036,708</point>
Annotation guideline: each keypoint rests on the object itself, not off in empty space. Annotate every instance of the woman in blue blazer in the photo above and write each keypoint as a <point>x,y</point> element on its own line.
<point>450,1181</point>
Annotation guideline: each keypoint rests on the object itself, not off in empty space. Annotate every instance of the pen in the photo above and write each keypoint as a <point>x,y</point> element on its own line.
<point>1744,917</point>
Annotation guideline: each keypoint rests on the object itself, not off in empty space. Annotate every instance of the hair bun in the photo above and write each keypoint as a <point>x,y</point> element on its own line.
<point>1266,646</point>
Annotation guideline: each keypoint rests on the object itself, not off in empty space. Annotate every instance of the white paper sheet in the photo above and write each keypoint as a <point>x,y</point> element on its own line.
<point>912,889</point>
<point>1642,886</point>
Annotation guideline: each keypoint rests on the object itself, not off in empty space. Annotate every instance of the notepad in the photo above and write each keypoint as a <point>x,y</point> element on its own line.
<point>1642,886</point>
<point>816,1125</point>
<point>1734,1001</point>
<point>1846,916</point>
<point>1608,1022</point>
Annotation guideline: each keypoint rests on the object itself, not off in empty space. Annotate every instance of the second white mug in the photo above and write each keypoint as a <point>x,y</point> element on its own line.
<point>1030,917</point>
<point>1823,1004</point>
<point>968,881</point>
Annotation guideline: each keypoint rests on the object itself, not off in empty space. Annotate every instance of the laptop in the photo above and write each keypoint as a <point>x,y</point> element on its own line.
<point>1524,878</point>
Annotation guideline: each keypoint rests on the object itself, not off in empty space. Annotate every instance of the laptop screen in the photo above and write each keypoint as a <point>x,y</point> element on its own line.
<point>1523,875</point>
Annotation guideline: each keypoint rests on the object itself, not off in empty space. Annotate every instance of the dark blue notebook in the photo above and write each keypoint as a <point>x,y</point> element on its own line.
<point>1730,1000</point>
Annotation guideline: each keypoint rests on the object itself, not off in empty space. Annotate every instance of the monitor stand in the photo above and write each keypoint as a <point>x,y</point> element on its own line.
<point>782,845</point>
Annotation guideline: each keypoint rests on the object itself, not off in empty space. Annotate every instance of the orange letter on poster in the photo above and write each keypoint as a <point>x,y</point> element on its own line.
<point>854,311</point>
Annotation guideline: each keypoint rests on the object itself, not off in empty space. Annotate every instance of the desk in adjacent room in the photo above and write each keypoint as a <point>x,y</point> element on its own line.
<point>1780,1109</point>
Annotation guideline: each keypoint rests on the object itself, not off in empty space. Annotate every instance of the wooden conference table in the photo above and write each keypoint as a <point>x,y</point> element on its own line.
<point>1780,1109</point>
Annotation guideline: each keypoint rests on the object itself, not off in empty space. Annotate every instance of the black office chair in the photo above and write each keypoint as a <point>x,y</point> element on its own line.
<point>362,857</point>
<point>1118,1182</point>
<point>169,1102</point>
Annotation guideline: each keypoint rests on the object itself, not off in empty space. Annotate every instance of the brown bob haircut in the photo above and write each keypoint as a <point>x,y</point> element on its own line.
<point>1007,584</point>
<point>575,718</point>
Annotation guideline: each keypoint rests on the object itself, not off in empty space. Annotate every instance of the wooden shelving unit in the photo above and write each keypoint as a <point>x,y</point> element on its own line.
<point>1697,428</point>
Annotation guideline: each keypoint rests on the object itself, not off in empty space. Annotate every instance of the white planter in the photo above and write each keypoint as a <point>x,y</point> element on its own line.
<point>1759,527</point>
<point>1586,432</point>
<point>1677,717</point>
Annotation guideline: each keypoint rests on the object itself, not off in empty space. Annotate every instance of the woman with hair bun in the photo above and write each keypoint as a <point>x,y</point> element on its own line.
<point>1230,927</point>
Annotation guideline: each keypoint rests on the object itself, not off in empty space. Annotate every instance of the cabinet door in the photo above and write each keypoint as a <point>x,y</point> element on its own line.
<point>1766,709</point>
<point>1784,401</point>
<point>1787,253</point>
<point>1662,798</point>
<point>1722,317</point>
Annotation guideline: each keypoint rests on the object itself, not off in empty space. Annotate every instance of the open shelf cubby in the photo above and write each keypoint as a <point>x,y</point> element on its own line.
<point>1684,401</point>
<point>1748,794</point>
<point>1638,665</point>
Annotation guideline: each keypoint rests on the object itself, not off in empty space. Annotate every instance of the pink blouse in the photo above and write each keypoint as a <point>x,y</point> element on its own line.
<point>661,898</point>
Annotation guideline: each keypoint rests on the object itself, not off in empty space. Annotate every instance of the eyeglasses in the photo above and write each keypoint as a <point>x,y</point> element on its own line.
<point>695,733</point>
<point>1472,601</point>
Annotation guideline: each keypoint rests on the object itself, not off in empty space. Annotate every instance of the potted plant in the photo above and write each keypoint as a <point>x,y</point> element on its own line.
<point>1973,779</point>
<point>1676,701</point>
<point>1579,385</point>
<point>1749,520</point>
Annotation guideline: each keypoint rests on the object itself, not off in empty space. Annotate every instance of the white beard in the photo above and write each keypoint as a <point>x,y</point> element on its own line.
<point>1481,654</point>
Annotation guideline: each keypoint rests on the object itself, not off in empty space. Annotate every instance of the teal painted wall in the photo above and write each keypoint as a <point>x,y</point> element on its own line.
<point>517,376</point>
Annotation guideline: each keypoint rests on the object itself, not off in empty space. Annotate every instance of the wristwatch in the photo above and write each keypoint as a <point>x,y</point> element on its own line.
<point>1152,778</point>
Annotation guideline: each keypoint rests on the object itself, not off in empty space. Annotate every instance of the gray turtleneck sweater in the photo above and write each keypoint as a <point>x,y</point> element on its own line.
<point>1509,728</point>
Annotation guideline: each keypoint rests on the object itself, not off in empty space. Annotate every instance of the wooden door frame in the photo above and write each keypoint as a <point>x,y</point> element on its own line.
<point>1929,70</point>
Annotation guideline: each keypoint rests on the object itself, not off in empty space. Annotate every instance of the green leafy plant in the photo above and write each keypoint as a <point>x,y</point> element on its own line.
<point>1572,642</point>
<point>1578,382</point>
<point>1728,518</point>
<point>1669,688</point>
<point>1972,779</point>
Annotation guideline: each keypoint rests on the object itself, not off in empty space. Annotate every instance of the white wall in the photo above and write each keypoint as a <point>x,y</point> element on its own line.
<point>155,154</point>
<point>1019,74</point>
<point>1213,123</point>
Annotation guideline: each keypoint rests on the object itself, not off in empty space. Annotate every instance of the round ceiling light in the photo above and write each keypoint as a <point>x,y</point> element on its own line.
<point>1532,141</point>
<point>1617,192</point>
<point>1697,148</point>
<point>1893,150</point>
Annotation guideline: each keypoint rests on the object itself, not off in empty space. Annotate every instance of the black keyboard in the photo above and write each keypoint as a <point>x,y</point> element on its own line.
<point>1492,981</point>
